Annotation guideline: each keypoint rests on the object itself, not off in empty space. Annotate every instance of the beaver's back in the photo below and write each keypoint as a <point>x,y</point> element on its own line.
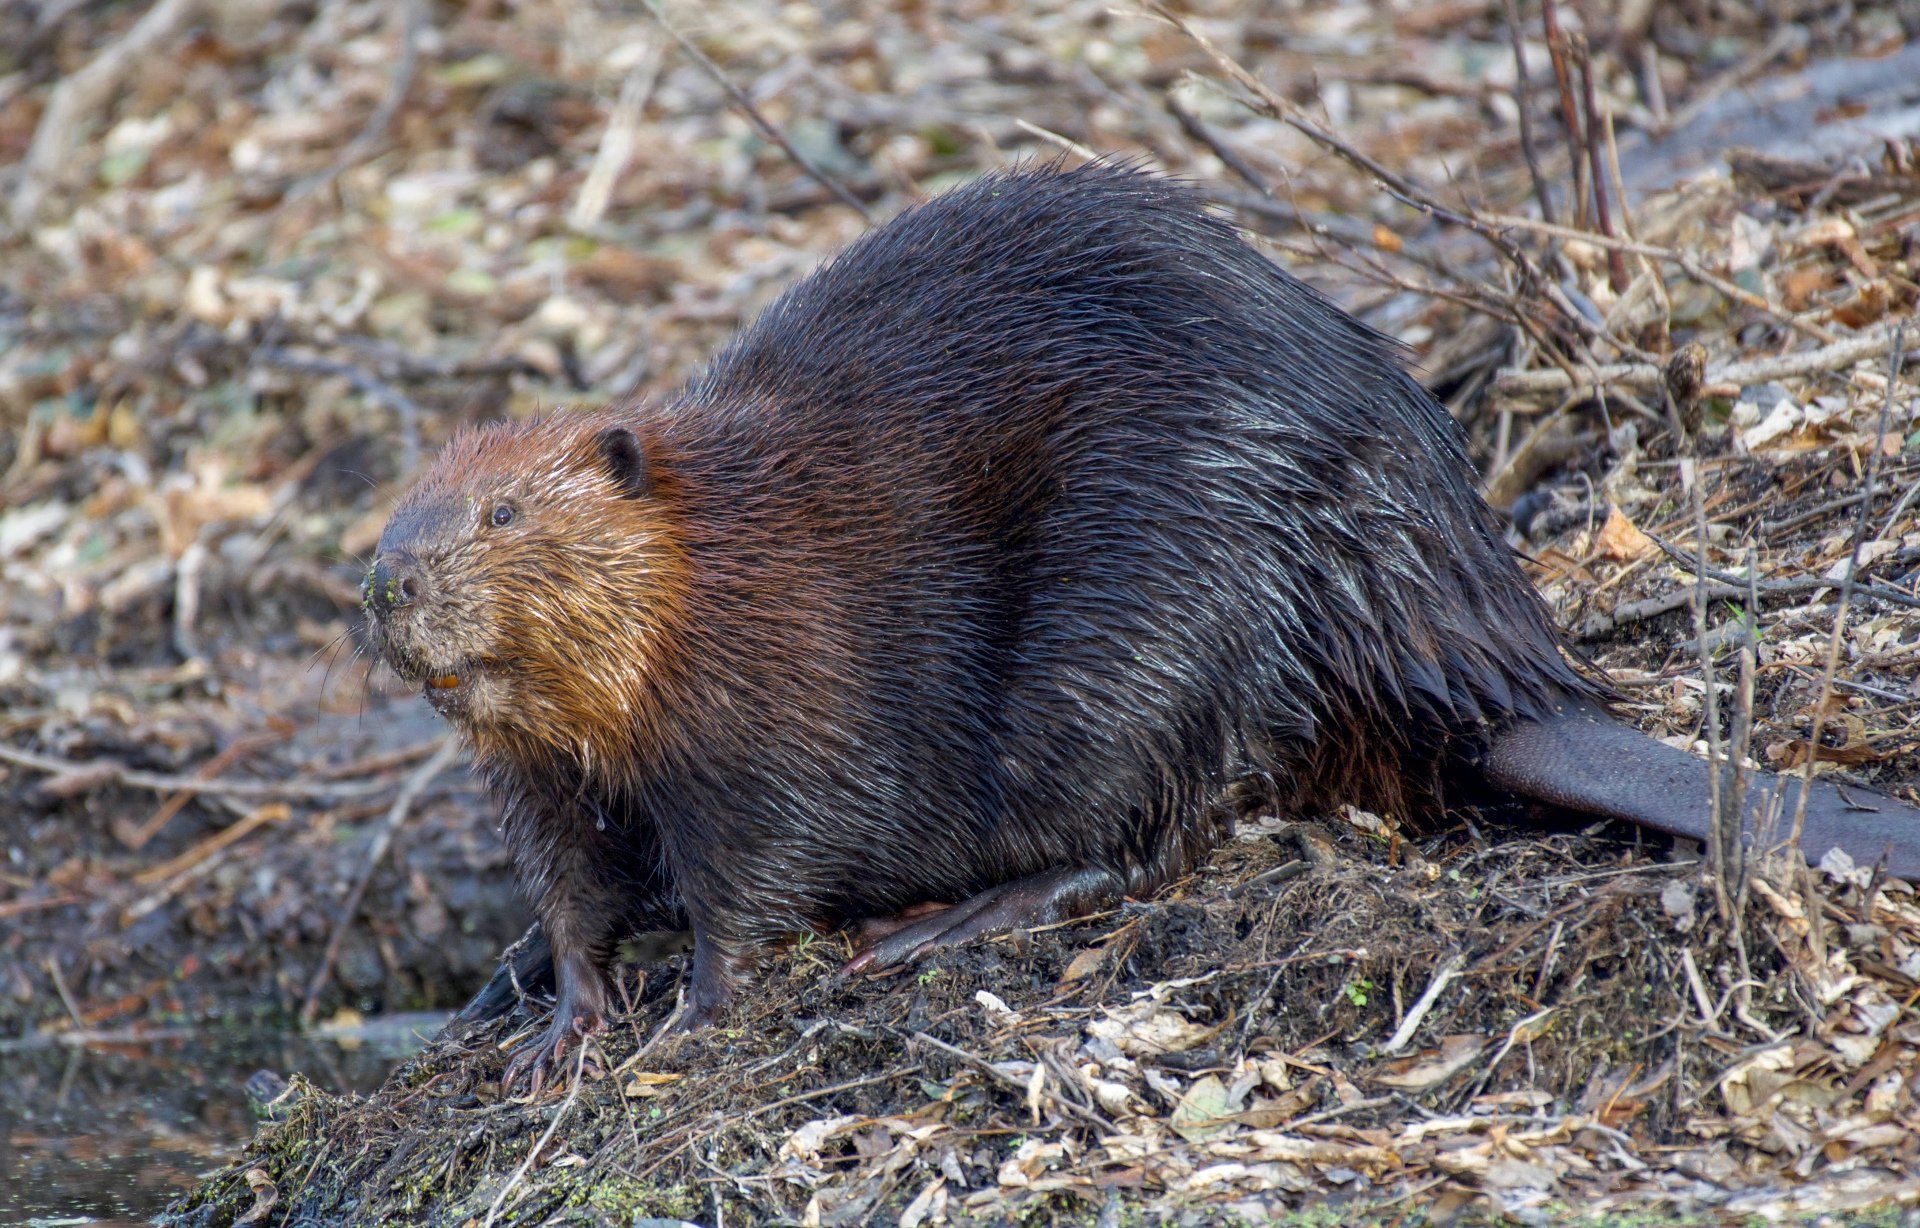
<point>1044,510</point>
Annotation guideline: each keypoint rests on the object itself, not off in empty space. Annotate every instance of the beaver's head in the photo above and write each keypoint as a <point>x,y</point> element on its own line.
<point>523,583</point>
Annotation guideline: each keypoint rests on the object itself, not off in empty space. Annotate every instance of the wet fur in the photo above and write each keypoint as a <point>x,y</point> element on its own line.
<point>1007,541</point>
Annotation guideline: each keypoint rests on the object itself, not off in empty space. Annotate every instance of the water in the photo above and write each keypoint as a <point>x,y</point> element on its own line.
<point>111,1132</point>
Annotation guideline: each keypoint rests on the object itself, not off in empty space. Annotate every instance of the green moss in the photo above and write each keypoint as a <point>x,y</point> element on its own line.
<point>626,1198</point>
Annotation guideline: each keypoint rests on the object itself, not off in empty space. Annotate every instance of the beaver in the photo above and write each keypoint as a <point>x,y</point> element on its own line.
<point>961,587</point>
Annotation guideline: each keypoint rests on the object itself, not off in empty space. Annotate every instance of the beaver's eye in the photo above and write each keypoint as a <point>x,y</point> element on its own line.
<point>502,515</point>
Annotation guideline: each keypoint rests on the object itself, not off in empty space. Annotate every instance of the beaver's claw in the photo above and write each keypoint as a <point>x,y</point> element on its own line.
<point>545,1052</point>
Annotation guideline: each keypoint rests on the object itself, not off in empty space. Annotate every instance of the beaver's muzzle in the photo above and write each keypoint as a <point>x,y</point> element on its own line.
<point>390,585</point>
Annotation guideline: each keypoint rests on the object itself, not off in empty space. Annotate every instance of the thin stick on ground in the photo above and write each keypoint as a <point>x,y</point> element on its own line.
<point>1900,508</point>
<point>553,1127</point>
<point>410,16</point>
<point>1629,612</point>
<point>1895,359</point>
<point>260,816</point>
<point>364,382</point>
<point>1602,205</point>
<point>1229,157</point>
<point>1401,189</point>
<point>616,144</point>
<point>1651,377</point>
<point>237,750</point>
<point>84,92</point>
<point>1721,804</point>
<point>1687,264</point>
<point>1054,138</point>
<point>1523,100</point>
<point>759,121</point>
<point>1799,584</point>
<point>106,771</point>
<point>1569,109</point>
<point>1730,867</point>
<point>1449,969</point>
<point>396,815</point>
<point>66,995</point>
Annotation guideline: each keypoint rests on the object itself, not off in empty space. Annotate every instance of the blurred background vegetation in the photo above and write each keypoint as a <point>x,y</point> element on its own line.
<point>258,258</point>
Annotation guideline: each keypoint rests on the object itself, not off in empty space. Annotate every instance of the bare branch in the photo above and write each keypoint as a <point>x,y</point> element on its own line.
<point>85,92</point>
<point>754,116</point>
<point>1847,581</point>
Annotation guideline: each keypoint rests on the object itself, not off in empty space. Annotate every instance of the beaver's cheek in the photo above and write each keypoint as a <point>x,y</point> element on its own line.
<point>441,636</point>
<point>487,699</point>
<point>465,621</point>
<point>423,641</point>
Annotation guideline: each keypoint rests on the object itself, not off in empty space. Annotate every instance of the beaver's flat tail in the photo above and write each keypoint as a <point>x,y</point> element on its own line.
<point>1585,760</point>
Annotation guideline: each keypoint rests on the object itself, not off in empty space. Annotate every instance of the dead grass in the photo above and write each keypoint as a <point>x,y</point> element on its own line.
<point>1223,1047</point>
<point>289,259</point>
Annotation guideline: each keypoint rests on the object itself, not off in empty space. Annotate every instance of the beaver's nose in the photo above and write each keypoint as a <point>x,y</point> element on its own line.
<point>390,585</point>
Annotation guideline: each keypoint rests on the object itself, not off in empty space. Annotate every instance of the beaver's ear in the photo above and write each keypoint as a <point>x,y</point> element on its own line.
<point>626,460</point>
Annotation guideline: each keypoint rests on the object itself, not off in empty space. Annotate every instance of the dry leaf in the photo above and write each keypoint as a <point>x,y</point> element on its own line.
<point>648,1083</point>
<point>1084,964</point>
<point>1147,1030</point>
<point>1027,1162</point>
<point>1620,539</point>
<point>265,1195</point>
<point>1205,1110</point>
<point>806,1142</point>
<point>1433,1066</point>
<point>929,1204</point>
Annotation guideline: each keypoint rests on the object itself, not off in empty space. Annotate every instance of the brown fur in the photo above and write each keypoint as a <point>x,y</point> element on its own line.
<point>976,572</point>
<point>555,622</point>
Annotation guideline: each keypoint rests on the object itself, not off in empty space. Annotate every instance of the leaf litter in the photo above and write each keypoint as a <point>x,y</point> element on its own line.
<point>271,271</point>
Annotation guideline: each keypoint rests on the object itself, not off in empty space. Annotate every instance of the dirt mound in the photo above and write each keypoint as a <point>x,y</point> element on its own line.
<point>1509,1025</point>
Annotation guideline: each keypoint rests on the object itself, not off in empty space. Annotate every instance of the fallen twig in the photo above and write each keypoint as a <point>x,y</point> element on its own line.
<point>1899,509</point>
<point>1596,176</point>
<point>367,384</point>
<point>187,575</point>
<point>1001,1077</point>
<point>259,817</point>
<point>17,908</point>
<point>1523,100</point>
<point>846,1085</point>
<point>1569,110</point>
<point>1650,377</point>
<point>86,91</point>
<point>1723,815</point>
<point>1054,138</point>
<point>1449,969</point>
<point>108,772</point>
<point>759,121</point>
<point>1847,580</point>
<point>1229,157</point>
<point>1719,589</point>
<point>1337,227</point>
<point>1796,584</point>
<point>66,995</point>
<point>396,815</point>
<point>566,1106</point>
<point>384,761</point>
<point>410,15</point>
<point>237,750</point>
<point>616,143</point>
<point>1687,264</point>
<point>1400,188</point>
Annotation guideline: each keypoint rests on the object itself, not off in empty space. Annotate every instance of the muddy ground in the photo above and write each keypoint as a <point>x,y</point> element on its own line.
<point>247,286</point>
